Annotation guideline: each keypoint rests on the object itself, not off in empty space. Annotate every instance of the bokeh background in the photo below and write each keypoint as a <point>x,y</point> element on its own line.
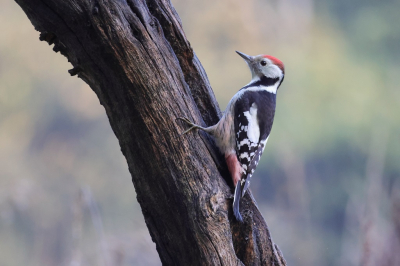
<point>328,184</point>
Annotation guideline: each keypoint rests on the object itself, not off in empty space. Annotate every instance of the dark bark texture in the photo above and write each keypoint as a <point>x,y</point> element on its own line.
<point>136,58</point>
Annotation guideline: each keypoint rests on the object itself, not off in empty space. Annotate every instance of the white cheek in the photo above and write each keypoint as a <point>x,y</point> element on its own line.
<point>273,71</point>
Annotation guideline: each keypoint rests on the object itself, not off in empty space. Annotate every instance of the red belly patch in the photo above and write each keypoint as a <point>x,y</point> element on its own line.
<point>234,167</point>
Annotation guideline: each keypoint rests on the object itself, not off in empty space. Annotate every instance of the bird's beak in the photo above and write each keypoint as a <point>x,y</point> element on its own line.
<point>246,57</point>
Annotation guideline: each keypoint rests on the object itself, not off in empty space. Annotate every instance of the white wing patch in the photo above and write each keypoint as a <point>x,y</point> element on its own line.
<point>244,155</point>
<point>253,130</point>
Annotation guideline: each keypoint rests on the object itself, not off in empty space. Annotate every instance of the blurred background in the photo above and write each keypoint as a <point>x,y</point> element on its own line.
<point>328,184</point>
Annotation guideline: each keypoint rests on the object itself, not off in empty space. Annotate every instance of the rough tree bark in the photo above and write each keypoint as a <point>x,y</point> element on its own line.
<point>135,57</point>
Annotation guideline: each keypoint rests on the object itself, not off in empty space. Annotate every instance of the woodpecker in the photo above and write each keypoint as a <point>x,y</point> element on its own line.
<point>242,132</point>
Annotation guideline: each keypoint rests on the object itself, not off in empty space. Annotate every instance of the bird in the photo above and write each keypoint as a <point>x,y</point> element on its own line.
<point>243,131</point>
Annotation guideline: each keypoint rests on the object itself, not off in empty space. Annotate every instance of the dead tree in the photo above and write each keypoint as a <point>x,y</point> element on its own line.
<point>136,58</point>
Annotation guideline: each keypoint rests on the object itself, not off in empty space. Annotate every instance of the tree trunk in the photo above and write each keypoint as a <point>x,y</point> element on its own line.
<point>135,57</point>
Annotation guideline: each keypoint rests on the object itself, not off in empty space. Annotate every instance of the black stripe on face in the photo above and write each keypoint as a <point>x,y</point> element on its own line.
<point>263,81</point>
<point>283,77</point>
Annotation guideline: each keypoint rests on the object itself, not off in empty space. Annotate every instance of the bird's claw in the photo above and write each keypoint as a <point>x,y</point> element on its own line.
<point>187,130</point>
<point>184,119</point>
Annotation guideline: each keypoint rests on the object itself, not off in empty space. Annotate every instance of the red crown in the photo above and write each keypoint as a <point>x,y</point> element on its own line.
<point>276,61</point>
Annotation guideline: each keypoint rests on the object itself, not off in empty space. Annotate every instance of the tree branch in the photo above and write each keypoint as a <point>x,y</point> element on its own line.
<point>135,57</point>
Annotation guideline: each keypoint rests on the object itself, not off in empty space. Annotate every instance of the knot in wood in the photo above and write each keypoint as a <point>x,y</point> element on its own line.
<point>48,37</point>
<point>215,201</point>
<point>76,70</point>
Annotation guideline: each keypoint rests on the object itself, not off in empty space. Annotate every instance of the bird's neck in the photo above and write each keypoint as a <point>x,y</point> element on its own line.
<point>264,83</point>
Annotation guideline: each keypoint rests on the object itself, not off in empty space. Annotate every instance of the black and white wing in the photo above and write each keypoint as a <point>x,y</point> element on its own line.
<point>253,117</point>
<point>254,113</point>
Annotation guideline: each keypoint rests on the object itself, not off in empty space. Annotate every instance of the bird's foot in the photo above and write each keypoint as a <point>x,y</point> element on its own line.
<point>186,120</point>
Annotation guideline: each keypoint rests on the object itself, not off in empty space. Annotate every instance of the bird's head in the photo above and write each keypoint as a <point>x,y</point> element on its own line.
<point>265,66</point>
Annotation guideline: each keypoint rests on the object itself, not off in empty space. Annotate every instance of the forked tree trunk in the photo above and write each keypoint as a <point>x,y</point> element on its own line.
<point>135,57</point>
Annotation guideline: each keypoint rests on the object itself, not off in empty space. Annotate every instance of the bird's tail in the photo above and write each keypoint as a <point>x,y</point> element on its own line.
<point>236,200</point>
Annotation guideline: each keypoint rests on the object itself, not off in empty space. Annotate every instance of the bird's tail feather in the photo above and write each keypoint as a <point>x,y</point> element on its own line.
<point>246,185</point>
<point>236,200</point>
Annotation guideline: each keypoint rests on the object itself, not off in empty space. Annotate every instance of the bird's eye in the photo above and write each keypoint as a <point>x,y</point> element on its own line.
<point>263,63</point>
